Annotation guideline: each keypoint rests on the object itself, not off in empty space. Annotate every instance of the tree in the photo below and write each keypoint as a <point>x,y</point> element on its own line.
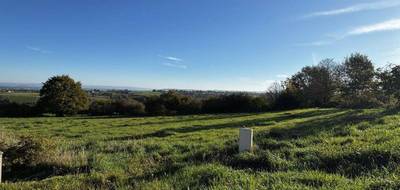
<point>358,76</point>
<point>358,85</point>
<point>389,81</point>
<point>316,85</point>
<point>63,96</point>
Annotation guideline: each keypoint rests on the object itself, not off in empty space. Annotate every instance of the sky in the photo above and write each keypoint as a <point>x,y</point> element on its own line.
<point>189,44</point>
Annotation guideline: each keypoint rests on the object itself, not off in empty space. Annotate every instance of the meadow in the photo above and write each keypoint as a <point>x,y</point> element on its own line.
<point>299,149</point>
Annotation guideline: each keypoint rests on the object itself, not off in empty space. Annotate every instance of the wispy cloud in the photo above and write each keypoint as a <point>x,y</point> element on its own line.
<point>315,43</point>
<point>171,58</point>
<point>37,49</point>
<point>393,24</point>
<point>388,25</point>
<point>173,62</point>
<point>176,65</point>
<point>356,8</point>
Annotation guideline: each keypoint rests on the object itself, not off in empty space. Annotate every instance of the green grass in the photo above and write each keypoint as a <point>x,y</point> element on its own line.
<point>300,149</point>
<point>20,97</point>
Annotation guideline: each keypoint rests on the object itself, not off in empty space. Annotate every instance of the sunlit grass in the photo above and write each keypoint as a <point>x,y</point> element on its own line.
<point>300,149</point>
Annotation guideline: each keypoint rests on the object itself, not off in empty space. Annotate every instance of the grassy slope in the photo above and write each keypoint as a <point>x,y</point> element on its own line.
<point>301,149</point>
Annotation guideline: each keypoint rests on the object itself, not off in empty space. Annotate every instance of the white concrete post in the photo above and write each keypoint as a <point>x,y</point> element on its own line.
<point>245,139</point>
<point>1,163</point>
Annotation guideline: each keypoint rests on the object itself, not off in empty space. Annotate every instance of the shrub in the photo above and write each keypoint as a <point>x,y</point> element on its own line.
<point>129,107</point>
<point>155,106</point>
<point>20,153</point>
<point>101,107</point>
<point>121,107</point>
<point>12,109</point>
<point>235,103</point>
<point>172,103</point>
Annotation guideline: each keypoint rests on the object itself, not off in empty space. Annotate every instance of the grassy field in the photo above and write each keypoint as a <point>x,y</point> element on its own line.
<point>300,149</point>
<point>20,97</point>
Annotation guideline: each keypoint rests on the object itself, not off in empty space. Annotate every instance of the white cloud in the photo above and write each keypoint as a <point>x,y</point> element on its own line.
<point>173,62</point>
<point>388,25</point>
<point>176,65</point>
<point>171,58</point>
<point>356,8</point>
<point>174,59</point>
<point>37,49</point>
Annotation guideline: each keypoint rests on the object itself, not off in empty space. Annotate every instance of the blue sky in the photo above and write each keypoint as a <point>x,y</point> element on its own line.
<point>188,44</point>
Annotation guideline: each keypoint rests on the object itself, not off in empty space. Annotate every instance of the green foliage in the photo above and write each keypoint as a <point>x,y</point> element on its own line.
<point>235,103</point>
<point>390,81</point>
<point>101,107</point>
<point>63,96</point>
<point>172,103</point>
<point>352,84</point>
<point>358,72</point>
<point>357,82</point>
<point>316,85</point>
<point>13,109</point>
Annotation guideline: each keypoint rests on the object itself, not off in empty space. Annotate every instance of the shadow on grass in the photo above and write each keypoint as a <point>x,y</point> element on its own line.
<point>40,171</point>
<point>350,164</point>
<point>336,123</point>
<point>177,118</point>
<point>183,119</point>
<point>283,117</point>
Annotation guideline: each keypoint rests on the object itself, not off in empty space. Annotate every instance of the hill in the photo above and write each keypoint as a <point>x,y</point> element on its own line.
<point>300,149</point>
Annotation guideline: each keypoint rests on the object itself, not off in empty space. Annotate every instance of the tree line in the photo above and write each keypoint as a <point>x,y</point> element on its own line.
<point>353,83</point>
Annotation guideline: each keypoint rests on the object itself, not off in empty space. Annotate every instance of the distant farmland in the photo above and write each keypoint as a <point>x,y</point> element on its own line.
<point>33,97</point>
<point>20,97</point>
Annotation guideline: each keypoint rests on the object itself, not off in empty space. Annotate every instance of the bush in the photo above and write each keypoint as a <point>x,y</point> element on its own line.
<point>129,107</point>
<point>235,103</point>
<point>101,107</point>
<point>20,153</point>
<point>12,109</point>
<point>287,99</point>
<point>120,107</point>
<point>360,101</point>
<point>155,106</point>
<point>172,103</point>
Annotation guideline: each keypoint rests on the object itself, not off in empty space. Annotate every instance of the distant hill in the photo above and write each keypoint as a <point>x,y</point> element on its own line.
<point>37,86</point>
<point>26,86</point>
